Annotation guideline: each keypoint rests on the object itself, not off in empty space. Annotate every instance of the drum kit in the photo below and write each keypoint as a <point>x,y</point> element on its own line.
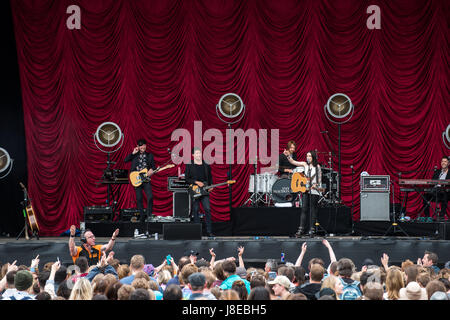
<point>268,188</point>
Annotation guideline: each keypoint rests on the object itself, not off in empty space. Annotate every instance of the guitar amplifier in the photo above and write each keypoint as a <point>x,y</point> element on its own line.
<point>130,215</point>
<point>98,213</point>
<point>375,184</point>
<point>177,184</point>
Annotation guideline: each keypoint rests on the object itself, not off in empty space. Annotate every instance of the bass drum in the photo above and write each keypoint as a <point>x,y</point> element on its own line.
<point>282,192</point>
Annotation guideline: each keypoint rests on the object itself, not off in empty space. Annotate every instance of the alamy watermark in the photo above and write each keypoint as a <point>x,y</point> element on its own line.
<point>231,149</point>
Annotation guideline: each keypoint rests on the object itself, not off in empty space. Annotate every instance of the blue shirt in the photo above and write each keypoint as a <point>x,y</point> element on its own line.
<point>228,283</point>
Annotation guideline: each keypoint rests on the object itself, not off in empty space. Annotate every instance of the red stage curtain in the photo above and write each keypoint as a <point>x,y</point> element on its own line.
<point>155,66</point>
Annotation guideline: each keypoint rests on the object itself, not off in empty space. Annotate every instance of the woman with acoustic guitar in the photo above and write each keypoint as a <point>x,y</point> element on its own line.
<point>313,175</point>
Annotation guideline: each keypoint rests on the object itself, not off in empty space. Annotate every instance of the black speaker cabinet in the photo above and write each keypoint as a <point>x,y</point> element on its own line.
<point>182,231</point>
<point>181,204</point>
<point>98,213</point>
<point>129,215</point>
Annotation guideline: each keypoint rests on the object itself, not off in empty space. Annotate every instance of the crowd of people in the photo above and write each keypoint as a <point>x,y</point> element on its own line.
<point>194,278</point>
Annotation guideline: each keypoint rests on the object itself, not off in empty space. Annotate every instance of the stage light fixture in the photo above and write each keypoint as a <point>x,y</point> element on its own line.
<point>6,163</point>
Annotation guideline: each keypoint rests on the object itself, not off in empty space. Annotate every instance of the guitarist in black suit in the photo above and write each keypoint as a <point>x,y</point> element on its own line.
<point>199,173</point>
<point>442,196</point>
<point>140,159</point>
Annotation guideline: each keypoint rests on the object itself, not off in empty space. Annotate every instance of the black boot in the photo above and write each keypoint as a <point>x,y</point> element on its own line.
<point>299,232</point>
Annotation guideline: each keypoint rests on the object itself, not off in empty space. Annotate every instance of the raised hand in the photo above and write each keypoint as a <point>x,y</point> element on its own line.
<point>385,260</point>
<point>73,229</point>
<point>35,262</point>
<point>304,247</point>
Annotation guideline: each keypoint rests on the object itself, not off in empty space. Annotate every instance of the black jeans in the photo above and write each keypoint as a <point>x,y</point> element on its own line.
<point>305,209</point>
<point>147,188</point>
<point>442,197</point>
<point>206,206</point>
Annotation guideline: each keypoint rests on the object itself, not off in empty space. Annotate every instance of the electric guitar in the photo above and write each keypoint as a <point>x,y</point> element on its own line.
<point>300,183</point>
<point>139,177</point>
<point>196,192</point>
<point>31,217</point>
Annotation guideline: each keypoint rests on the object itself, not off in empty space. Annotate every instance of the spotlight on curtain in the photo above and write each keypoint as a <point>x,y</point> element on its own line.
<point>446,137</point>
<point>339,110</point>
<point>231,108</point>
<point>108,135</point>
<point>6,163</point>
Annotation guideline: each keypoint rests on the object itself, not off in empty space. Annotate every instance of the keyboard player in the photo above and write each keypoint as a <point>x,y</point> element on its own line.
<point>442,195</point>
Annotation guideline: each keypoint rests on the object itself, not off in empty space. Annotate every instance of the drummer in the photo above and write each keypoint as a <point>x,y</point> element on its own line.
<point>284,166</point>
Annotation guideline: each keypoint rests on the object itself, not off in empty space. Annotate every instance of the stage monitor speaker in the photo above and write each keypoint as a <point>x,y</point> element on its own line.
<point>182,231</point>
<point>98,213</point>
<point>181,205</point>
<point>375,206</point>
<point>130,215</point>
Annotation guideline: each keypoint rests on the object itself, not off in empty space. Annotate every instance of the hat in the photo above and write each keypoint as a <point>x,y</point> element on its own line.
<point>197,279</point>
<point>23,280</point>
<point>191,253</point>
<point>241,272</point>
<point>413,291</point>
<point>326,292</point>
<point>367,262</point>
<point>439,295</point>
<point>282,281</point>
<point>149,269</point>
<point>141,142</point>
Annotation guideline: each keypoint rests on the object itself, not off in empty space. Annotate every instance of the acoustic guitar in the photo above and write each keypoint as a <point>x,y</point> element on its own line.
<point>300,183</point>
<point>139,177</point>
<point>31,217</point>
<point>196,192</point>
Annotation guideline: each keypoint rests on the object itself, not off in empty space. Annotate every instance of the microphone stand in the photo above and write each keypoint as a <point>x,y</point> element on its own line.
<point>255,204</point>
<point>351,214</point>
<point>24,204</point>
<point>394,222</point>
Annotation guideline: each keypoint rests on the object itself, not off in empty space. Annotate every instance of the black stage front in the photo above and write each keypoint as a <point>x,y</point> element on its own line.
<point>255,254</point>
<point>272,221</point>
<point>264,232</point>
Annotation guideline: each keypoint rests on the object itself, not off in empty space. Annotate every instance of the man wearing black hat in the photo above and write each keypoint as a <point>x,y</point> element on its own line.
<point>140,159</point>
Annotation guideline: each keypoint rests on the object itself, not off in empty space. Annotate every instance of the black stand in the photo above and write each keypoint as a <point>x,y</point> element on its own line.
<point>25,227</point>
<point>24,204</point>
<point>351,212</point>
<point>230,170</point>
<point>394,224</point>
